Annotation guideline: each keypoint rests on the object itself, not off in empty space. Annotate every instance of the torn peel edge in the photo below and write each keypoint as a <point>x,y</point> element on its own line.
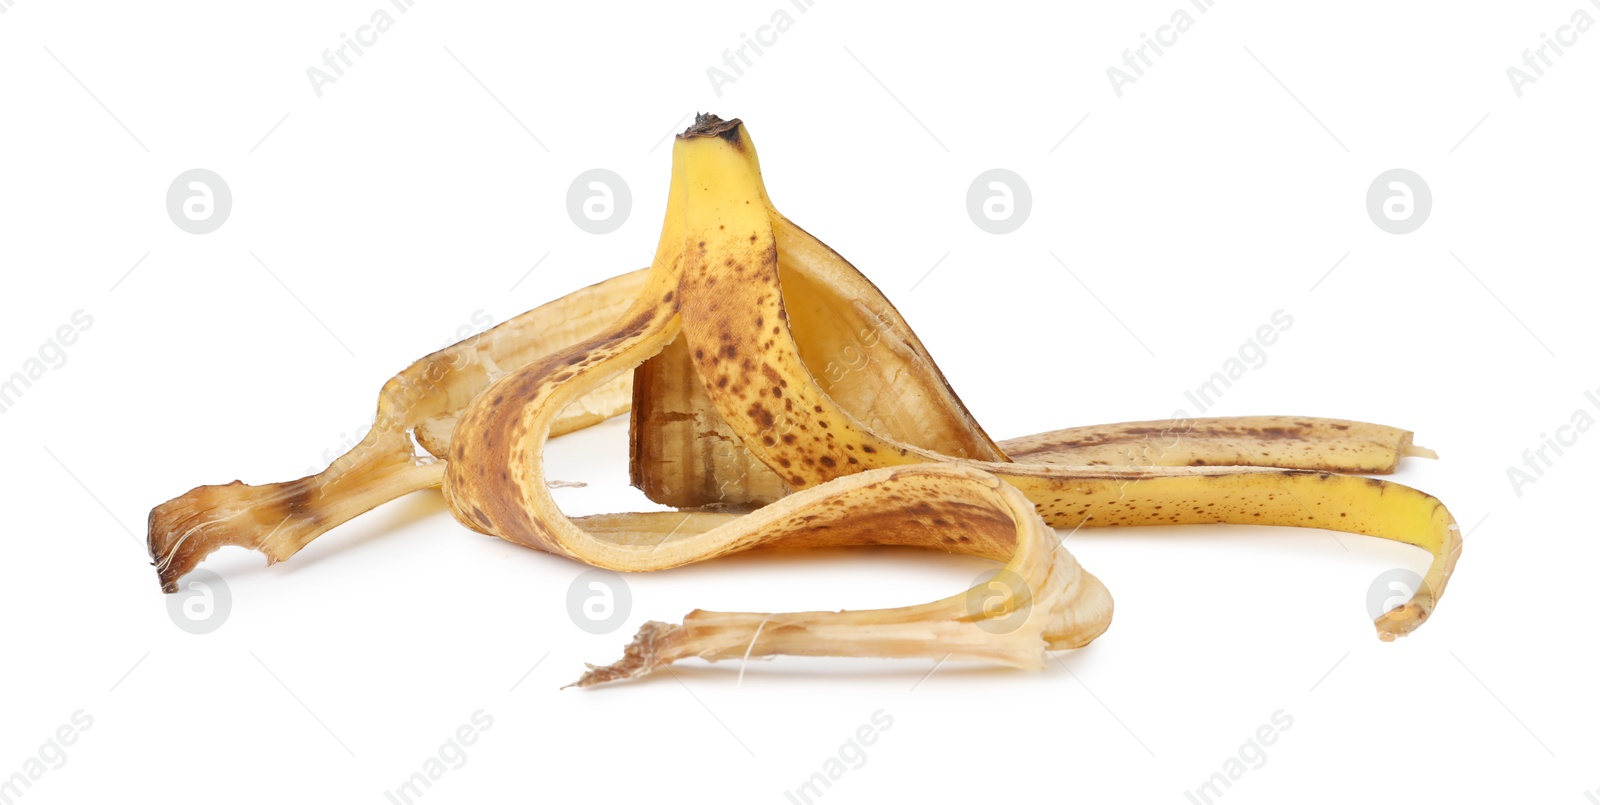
<point>1410,449</point>
<point>185,530</point>
<point>643,655</point>
<point>276,519</point>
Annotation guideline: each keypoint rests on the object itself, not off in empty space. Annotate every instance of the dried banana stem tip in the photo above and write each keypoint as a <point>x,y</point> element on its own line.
<point>709,125</point>
<point>281,518</point>
<point>647,652</point>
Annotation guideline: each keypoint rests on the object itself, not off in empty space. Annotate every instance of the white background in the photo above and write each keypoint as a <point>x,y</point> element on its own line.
<point>423,185</point>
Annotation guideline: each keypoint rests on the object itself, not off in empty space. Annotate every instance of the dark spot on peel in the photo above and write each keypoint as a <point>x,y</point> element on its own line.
<point>772,374</point>
<point>297,496</point>
<point>760,415</point>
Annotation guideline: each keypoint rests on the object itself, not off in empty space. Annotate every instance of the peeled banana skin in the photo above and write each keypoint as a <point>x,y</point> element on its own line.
<point>779,400</point>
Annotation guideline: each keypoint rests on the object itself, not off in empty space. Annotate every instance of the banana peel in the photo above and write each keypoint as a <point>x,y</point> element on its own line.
<point>779,400</point>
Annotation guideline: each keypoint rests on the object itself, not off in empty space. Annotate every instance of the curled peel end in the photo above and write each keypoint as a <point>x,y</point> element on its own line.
<point>185,530</point>
<point>1400,621</point>
<point>645,654</point>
